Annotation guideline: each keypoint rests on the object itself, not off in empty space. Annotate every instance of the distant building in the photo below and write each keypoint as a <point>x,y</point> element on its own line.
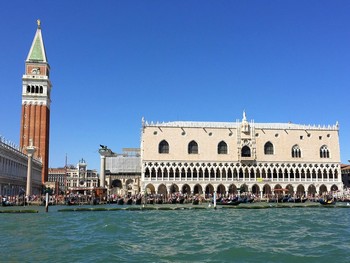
<point>123,172</point>
<point>345,171</point>
<point>231,157</point>
<point>81,180</point>
<point>71,179</point>
<point>13,170</point>
<point>58,179</point>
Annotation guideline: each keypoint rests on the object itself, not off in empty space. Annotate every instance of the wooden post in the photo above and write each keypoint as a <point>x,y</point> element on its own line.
<point>47,202</point>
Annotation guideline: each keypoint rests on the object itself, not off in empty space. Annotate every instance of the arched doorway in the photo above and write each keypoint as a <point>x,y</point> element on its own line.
<point>267,190</point>
<point>221,189</point>
<point>334,188</point>
<point>243,189</point>
<point>311,190</point>
<point>256,189</point>
<point>117,187</point>
<point>186,189</point>
<point>323,189</point>
<point>150,189</point>
<point>162,190</point>
<point>232,189</point>
<point>209,190</point>
<point>197,189</point>
<point>129,186</point>
<point>300,190</point>
<point>174,189</point>
<point>290,189</point>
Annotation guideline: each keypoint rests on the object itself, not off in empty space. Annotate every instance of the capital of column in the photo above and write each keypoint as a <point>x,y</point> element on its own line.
<point>105,152</point>
<point>30,148</point>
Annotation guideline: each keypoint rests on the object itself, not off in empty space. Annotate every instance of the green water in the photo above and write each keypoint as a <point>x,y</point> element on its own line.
<point>205,235</point>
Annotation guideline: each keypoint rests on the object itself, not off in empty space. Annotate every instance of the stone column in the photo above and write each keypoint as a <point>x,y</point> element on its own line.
<point>104,151</point>
<point>30,151</point>
<point>102,171</point>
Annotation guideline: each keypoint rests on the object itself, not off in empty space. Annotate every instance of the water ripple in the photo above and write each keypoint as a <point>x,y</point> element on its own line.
<point>223,235</point>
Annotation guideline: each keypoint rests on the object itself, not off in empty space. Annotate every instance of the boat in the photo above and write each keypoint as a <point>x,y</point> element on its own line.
<point>195,201</point>
<point>129,201</point>
<point>120,201</point>
<point>327,201</point>
<point>232,202</point>
<point>7,203</point>
<point>297,200</point>
<point>138,201</point>
<point>246,200</point>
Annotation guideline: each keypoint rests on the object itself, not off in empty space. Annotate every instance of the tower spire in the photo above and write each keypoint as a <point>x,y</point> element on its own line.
<point>37,51</point>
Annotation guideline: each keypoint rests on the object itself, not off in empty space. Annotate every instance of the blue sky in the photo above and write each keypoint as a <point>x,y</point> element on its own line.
<point>114,62</point>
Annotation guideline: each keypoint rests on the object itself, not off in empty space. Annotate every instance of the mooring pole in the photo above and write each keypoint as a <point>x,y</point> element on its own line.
<point>47,202</point>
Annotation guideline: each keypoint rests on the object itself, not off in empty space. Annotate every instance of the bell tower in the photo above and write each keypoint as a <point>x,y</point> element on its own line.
<point>36,93</point>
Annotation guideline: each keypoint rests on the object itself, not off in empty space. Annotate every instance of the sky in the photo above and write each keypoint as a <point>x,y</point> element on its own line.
<point>114,62</point>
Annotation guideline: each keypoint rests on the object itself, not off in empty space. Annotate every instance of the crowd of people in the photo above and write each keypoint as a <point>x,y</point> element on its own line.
<point>173,198</point>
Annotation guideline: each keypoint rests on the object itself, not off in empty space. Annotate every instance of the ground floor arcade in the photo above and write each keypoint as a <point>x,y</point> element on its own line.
<point>259,189</point>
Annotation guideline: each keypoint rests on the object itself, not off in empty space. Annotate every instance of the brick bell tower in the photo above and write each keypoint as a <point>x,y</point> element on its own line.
<point>36,90</point>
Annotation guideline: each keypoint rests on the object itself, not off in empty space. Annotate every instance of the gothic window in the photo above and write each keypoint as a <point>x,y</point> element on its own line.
<point>268,148</point>
<point>33,89</point>
<point>28,88</point>
<point>193,147</point>
<point>36,89</point>
<point>245,151</point>
<point>222,148</point>
<point>296,152</point>
<point>324,152</point>
<point>163,147</point>
<point>41,89</point>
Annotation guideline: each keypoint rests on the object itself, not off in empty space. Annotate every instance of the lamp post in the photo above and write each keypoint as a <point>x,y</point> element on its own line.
<point>30,151</point>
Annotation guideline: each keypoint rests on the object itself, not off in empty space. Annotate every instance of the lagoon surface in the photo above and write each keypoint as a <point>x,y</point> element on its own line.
<point>186,235</point>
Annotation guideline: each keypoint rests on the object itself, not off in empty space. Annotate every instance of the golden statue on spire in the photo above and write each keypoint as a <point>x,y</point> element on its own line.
<point>39,23</point>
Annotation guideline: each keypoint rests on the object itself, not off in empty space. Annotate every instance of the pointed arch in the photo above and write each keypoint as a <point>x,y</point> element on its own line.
<point>324,152</point>
<point>296,151</point>
<point>192,147</point>
<point>222,147</point>
<point>268,148</point>
<point>245,152</point>
<point>163,147</point>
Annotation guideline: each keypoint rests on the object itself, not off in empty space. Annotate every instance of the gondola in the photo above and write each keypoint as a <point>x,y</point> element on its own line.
<point>297,200</point>
<point>229,202</point>
<point>138,201</point>
<point>7,203</point>
<point>327,201</point>
<point>246,200</point>
<point>195,202</point>
<point>181,200</point>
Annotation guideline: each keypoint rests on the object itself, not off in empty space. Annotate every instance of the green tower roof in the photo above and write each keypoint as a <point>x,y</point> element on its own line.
<point>37,51</point>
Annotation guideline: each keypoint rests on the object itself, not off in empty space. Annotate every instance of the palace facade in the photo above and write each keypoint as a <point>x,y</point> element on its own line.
<point>232,157</point>
<point>14,169</point>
